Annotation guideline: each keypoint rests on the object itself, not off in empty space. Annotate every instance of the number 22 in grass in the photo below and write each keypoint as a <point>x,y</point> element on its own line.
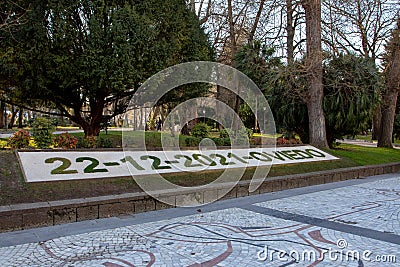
<point>63,168</point>
<point>91,168</point>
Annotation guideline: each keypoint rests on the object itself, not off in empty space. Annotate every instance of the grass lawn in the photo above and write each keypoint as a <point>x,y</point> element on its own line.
<point>13,188</point>
<point>366,155</point>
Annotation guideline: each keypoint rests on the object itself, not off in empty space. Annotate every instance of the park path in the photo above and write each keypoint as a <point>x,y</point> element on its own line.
<point>7,135</point>
<point>349,223</point>
<point>363,143</point>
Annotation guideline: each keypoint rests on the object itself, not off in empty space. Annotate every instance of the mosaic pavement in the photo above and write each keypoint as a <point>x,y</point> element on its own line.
<point>356,225</point>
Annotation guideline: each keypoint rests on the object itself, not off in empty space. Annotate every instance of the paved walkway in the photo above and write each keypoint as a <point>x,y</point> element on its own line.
<point>116,129</point>
<point>350,223</point>
<point>364,143</point>
<point>9,134</point>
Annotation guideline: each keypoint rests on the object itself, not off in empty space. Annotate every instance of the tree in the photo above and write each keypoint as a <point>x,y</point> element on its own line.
<point>361,27</point>
<point>351,84</point>
<point>233,23</point>
<point>313,66</point>
<point>281,87</point>
<point>11,14</point>
<point>82,56</point>
<point>351,88</point>
<point>258,63</point>
<point>392,80</point>
<point>287,98</point>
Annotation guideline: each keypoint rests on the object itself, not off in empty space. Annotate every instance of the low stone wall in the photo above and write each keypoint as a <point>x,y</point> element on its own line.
<point>23,216</point>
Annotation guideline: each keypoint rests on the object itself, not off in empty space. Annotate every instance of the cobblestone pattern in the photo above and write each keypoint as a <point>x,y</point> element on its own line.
<point>235,236</point>
<point>373,205</point>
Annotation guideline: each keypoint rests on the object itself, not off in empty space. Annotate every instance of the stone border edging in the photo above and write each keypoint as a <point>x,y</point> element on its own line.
<point>30,215</point>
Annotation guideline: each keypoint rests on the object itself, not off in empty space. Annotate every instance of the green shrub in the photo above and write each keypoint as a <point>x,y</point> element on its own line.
<point>153,139</point>
<point>151,124</point>
<point>98,142</point>
<point>104,143</point>
<point>66,141</point>
<point>239,136</point>
<point>201,130</point>
<point>42,132</point>
<point>221,141</point>
<point>224,133</point>
<point>19,139</point>
<point>192,141</point>
<point>87,142</point>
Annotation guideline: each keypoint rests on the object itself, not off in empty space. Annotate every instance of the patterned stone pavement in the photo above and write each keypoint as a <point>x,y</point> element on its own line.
<point>351,223</point>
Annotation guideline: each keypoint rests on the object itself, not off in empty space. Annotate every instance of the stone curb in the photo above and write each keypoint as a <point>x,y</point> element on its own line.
<point>30,215</point>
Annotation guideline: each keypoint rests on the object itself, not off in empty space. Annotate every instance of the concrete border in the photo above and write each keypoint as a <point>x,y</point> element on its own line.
<point>30,215</point>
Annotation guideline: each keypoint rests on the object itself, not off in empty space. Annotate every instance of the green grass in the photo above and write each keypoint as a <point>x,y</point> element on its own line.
<point>366,155</point>
<point>206,177</point>
<point>13,189</point>
<point>363,137</point>
<point>349,156</point>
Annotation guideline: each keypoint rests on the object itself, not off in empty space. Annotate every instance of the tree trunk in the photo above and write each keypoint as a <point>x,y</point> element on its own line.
<point>5,118</point>
<point>13,115</point>
<point>231,30</point>
<point>141,114</point>
<point>2,113</point>
<point>238,101</point>
<point>392,77</point>
<point>91,130</point>
<point>256,20</point>
<point>162,113</point>
<point>376,123</point>
<point>314,72</point>
<point>192,5</point>
<point>92,126</point>
<point>134,119</point>
<point>62,121</point>
<point>290,31</point>
<point>233,51</point>
<point>316,123</point>
<point>387,121</point>
<point>20,118</point>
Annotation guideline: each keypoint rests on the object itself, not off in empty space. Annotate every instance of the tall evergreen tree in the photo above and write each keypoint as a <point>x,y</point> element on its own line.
<point>82,56</point>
